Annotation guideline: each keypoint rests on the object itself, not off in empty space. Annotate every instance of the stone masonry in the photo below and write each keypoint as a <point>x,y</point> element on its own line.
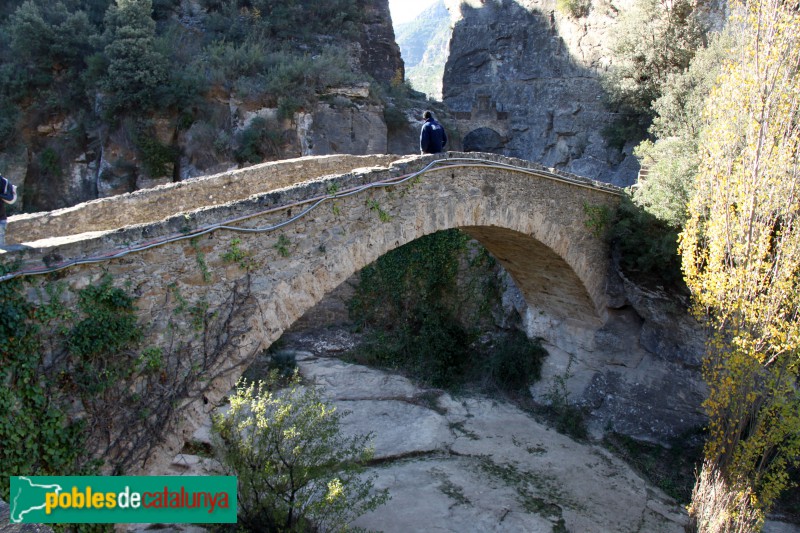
<point>530,219</point>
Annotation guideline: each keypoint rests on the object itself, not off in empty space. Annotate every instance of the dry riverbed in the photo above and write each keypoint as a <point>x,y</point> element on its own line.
<point>475,464</point>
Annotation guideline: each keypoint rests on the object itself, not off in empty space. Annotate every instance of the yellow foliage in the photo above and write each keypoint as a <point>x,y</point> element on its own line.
<point>741,252</point>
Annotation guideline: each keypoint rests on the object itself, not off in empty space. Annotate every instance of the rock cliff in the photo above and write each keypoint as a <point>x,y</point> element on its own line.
<point>61,159</point>
<point>523,79</point>
<point>380,55</point>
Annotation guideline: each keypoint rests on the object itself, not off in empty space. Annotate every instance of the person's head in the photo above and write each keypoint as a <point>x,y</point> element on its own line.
<point>427,115</point>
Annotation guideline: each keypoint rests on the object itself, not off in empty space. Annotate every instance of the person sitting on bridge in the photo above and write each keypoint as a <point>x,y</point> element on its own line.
<point>432,138</point>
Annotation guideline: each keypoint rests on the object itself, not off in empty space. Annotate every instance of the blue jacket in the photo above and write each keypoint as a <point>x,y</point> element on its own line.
<point>432,138</point>
<point>8,195</point>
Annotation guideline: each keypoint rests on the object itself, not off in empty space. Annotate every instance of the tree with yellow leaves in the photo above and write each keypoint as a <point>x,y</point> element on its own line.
<point>741,260</point>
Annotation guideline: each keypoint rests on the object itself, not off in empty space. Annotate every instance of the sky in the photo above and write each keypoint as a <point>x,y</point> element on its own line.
<point>406,10</point>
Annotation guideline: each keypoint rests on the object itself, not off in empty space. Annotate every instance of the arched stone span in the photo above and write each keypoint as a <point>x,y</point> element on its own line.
<point>531,220</point>
<point>483,140</point>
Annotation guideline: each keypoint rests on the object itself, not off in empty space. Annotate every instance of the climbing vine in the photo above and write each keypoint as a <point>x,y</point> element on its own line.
<point>78,388</point>
<point>36,436</point>
<point>201,259</point>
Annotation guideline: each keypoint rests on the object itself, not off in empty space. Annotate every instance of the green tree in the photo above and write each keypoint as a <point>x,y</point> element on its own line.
<point>296,471</point>
<point>741,259</point>
<point>653,40</point>
<point>672,157</point>
<point>30,36</point>
<point>47,47</point>
<point>288,19</point>
<point>135,67</point>
<point>284,20</point>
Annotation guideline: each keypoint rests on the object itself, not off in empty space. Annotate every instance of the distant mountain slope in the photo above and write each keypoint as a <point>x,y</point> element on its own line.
<point>424,45</point>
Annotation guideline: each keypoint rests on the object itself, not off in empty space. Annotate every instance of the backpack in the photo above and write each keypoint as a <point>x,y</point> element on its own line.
<point>8,191</point>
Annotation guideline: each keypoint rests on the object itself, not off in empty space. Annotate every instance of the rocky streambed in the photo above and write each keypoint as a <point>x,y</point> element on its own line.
<point>470,463</point>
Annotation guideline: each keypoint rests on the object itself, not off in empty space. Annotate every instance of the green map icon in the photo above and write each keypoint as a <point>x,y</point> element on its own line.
<point>28,497</point>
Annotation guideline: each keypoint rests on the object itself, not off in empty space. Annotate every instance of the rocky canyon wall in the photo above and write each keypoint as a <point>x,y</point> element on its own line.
<point>523,79</point>
<point>59,160</point>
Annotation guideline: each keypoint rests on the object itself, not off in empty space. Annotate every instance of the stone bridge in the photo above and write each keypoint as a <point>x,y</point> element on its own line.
<point>262,245</point>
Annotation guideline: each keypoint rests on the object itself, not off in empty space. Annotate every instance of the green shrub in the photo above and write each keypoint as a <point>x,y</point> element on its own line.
<point>306,18</point>
<point>294,80</point>
<point>282,362</point>
<point>673,468</point>
<point>432,348</point>
<point>575,8</point>
<point>295,470</point>
<point>50,162</point>
<point>514,362</point>
<point>628,124</point>
<point>288,106</point>
<point>157,159</point>
<point>229,61</point>
<point>258,141</point>
<point>648,247</point>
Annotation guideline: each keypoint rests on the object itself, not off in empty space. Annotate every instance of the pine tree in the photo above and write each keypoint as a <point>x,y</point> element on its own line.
<point>135,67</point>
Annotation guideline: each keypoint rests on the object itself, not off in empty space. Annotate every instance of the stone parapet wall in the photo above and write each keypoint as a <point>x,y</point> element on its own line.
<point>152,205</point>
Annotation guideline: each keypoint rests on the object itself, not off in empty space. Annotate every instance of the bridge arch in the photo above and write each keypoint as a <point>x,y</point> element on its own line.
<point>484,139</point>
<point>531,220</point>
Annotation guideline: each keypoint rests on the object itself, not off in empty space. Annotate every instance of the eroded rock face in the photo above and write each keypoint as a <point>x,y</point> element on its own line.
<point>638,375</point>
<point>351,127</point>
<point>531,75</point>
<point>379,53</point>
